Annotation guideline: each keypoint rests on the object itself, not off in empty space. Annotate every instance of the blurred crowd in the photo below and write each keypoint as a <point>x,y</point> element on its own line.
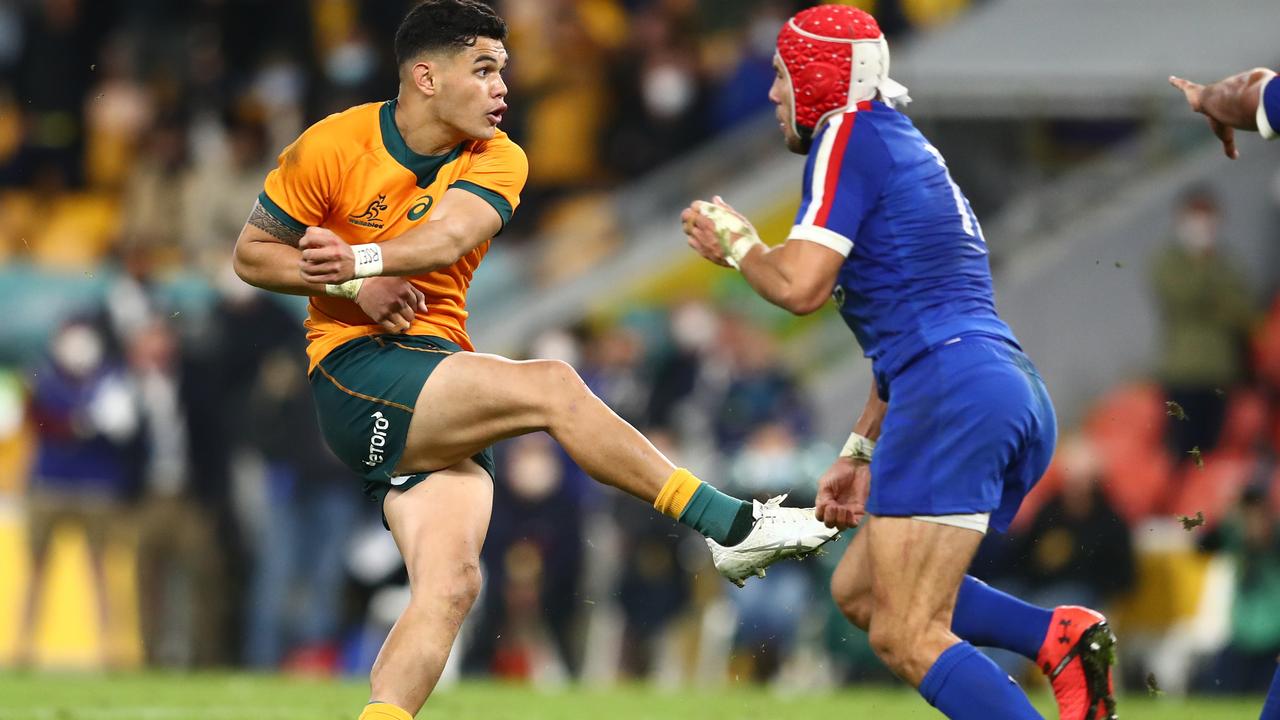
<point>143,127</point>
<point>156,409</point>
<point>196,450</point>
<point>153,405</point>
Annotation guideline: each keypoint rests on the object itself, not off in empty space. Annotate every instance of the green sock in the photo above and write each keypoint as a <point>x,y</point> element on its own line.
<point>723,518</point>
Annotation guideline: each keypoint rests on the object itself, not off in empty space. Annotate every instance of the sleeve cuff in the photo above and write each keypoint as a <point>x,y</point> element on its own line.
<point>1269,109</point>
<point>498,202</point>
<point>822,236</point>
<point>278,213</point>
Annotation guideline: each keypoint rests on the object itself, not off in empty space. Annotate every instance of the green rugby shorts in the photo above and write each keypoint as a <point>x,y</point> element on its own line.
<point>366,392</point>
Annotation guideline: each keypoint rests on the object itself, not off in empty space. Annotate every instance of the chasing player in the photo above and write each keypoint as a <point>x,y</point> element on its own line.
<point>1246,101</point>
<point>958,427</point>
<point>381,214</point>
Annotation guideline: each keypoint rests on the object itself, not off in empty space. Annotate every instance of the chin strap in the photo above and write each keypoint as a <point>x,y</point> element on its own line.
<point>894,94</point>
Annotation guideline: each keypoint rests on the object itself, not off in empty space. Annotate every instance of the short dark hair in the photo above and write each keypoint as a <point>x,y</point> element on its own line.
<point>441,24</point>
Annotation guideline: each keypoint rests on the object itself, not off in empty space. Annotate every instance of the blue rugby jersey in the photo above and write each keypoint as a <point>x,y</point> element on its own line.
<point>916,272</point>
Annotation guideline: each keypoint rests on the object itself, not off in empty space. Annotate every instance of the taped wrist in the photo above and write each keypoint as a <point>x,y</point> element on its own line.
<point>858,447</point>
<point>728,225</point>
<point>368,259</point>
<point>347,290</point>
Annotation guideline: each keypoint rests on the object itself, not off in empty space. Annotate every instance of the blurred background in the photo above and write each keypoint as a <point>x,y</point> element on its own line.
<point>166,500</point>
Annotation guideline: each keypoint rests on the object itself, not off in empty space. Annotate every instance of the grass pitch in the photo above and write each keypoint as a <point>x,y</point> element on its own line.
<point>267,697</point>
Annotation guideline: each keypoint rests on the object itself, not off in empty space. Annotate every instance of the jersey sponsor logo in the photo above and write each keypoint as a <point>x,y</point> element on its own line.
<point>378,440</point>
<point>420,208</point>
<point>370,218</point>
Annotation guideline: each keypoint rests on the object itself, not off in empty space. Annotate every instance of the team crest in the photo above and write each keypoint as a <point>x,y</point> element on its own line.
<point>371,217</point>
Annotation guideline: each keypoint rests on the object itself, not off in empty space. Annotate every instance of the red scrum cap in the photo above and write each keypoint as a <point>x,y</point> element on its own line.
<point>835,57</point>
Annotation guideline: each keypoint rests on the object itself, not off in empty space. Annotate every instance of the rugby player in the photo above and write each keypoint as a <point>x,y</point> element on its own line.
<point>958,426</point>
<point>381,214</point>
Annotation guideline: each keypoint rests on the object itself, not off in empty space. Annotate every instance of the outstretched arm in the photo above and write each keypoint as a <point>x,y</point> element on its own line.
<point>797,275</point>
<point>1230,104</point>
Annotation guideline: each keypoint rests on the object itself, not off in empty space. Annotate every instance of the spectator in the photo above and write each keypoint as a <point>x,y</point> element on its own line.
<point>312,507</point>
<point>654,586</point>
<point>613,369</point>
<point>761,388</point>
<point>1205,313</point>
<point>685,381</point>
<point>1077,550</point>
<point>52,79</point>
<point>87,449</point>
<point>155,198</point>
<point>533,564</point>
<point>773,461</point>
<point>661,107</point>
<point>1251,539</point>
<point>215,197</point>
<point>180,568</point>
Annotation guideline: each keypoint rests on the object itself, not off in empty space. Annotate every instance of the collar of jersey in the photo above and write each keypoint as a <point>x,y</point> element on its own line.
<point>424,167</point>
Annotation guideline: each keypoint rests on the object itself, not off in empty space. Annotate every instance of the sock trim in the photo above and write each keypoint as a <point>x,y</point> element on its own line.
<point>378,710</point>
<point>937,676</point>
<point>676,493</point>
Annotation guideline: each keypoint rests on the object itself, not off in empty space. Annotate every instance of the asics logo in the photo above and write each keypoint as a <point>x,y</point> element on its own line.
<point>378,440</point>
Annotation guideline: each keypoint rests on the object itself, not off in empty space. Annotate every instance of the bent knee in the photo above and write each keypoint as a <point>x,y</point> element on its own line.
<point>887,641</point>
<point>455,592</point>
<point>904,646</point>
<point>854,600</point>
<point>555,374</point>
<point>557,385</point>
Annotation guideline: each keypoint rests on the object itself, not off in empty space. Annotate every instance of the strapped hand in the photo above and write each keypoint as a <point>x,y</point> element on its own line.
<point>718,232</point>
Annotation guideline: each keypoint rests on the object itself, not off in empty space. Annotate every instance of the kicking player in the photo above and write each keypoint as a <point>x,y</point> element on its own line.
<point>381,214</point>
<point>1246,101</point>
<point>958,427</point>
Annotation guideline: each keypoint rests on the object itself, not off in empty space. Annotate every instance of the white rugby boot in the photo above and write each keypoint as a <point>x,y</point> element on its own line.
<point>779,533</point>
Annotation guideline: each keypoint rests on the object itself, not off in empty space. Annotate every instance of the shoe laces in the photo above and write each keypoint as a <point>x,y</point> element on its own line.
<point>769,511</point>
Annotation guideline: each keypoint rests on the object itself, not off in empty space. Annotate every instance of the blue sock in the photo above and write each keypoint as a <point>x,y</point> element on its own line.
<point>987,617</point>
<point>1271,710</point>
<point>965,685</point>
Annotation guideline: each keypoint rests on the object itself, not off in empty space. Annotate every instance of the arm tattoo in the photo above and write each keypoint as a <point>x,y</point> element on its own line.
<point>266,222</point>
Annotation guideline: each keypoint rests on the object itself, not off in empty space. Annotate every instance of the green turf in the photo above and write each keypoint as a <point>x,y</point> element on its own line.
<point>262,697</point>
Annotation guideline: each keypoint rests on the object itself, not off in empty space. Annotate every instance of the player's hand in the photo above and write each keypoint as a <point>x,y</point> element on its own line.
<point>391,302</point>
<point>326,258</point>
<point>842,493</point>
<point>1194,92</point>
<point>700,233</point>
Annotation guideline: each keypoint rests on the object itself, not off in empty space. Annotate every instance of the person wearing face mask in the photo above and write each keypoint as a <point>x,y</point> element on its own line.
<point>1205,314</point>
<point>86,457</point>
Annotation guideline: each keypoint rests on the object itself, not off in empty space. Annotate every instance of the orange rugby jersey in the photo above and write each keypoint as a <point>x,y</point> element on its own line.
<point>353,174</point>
